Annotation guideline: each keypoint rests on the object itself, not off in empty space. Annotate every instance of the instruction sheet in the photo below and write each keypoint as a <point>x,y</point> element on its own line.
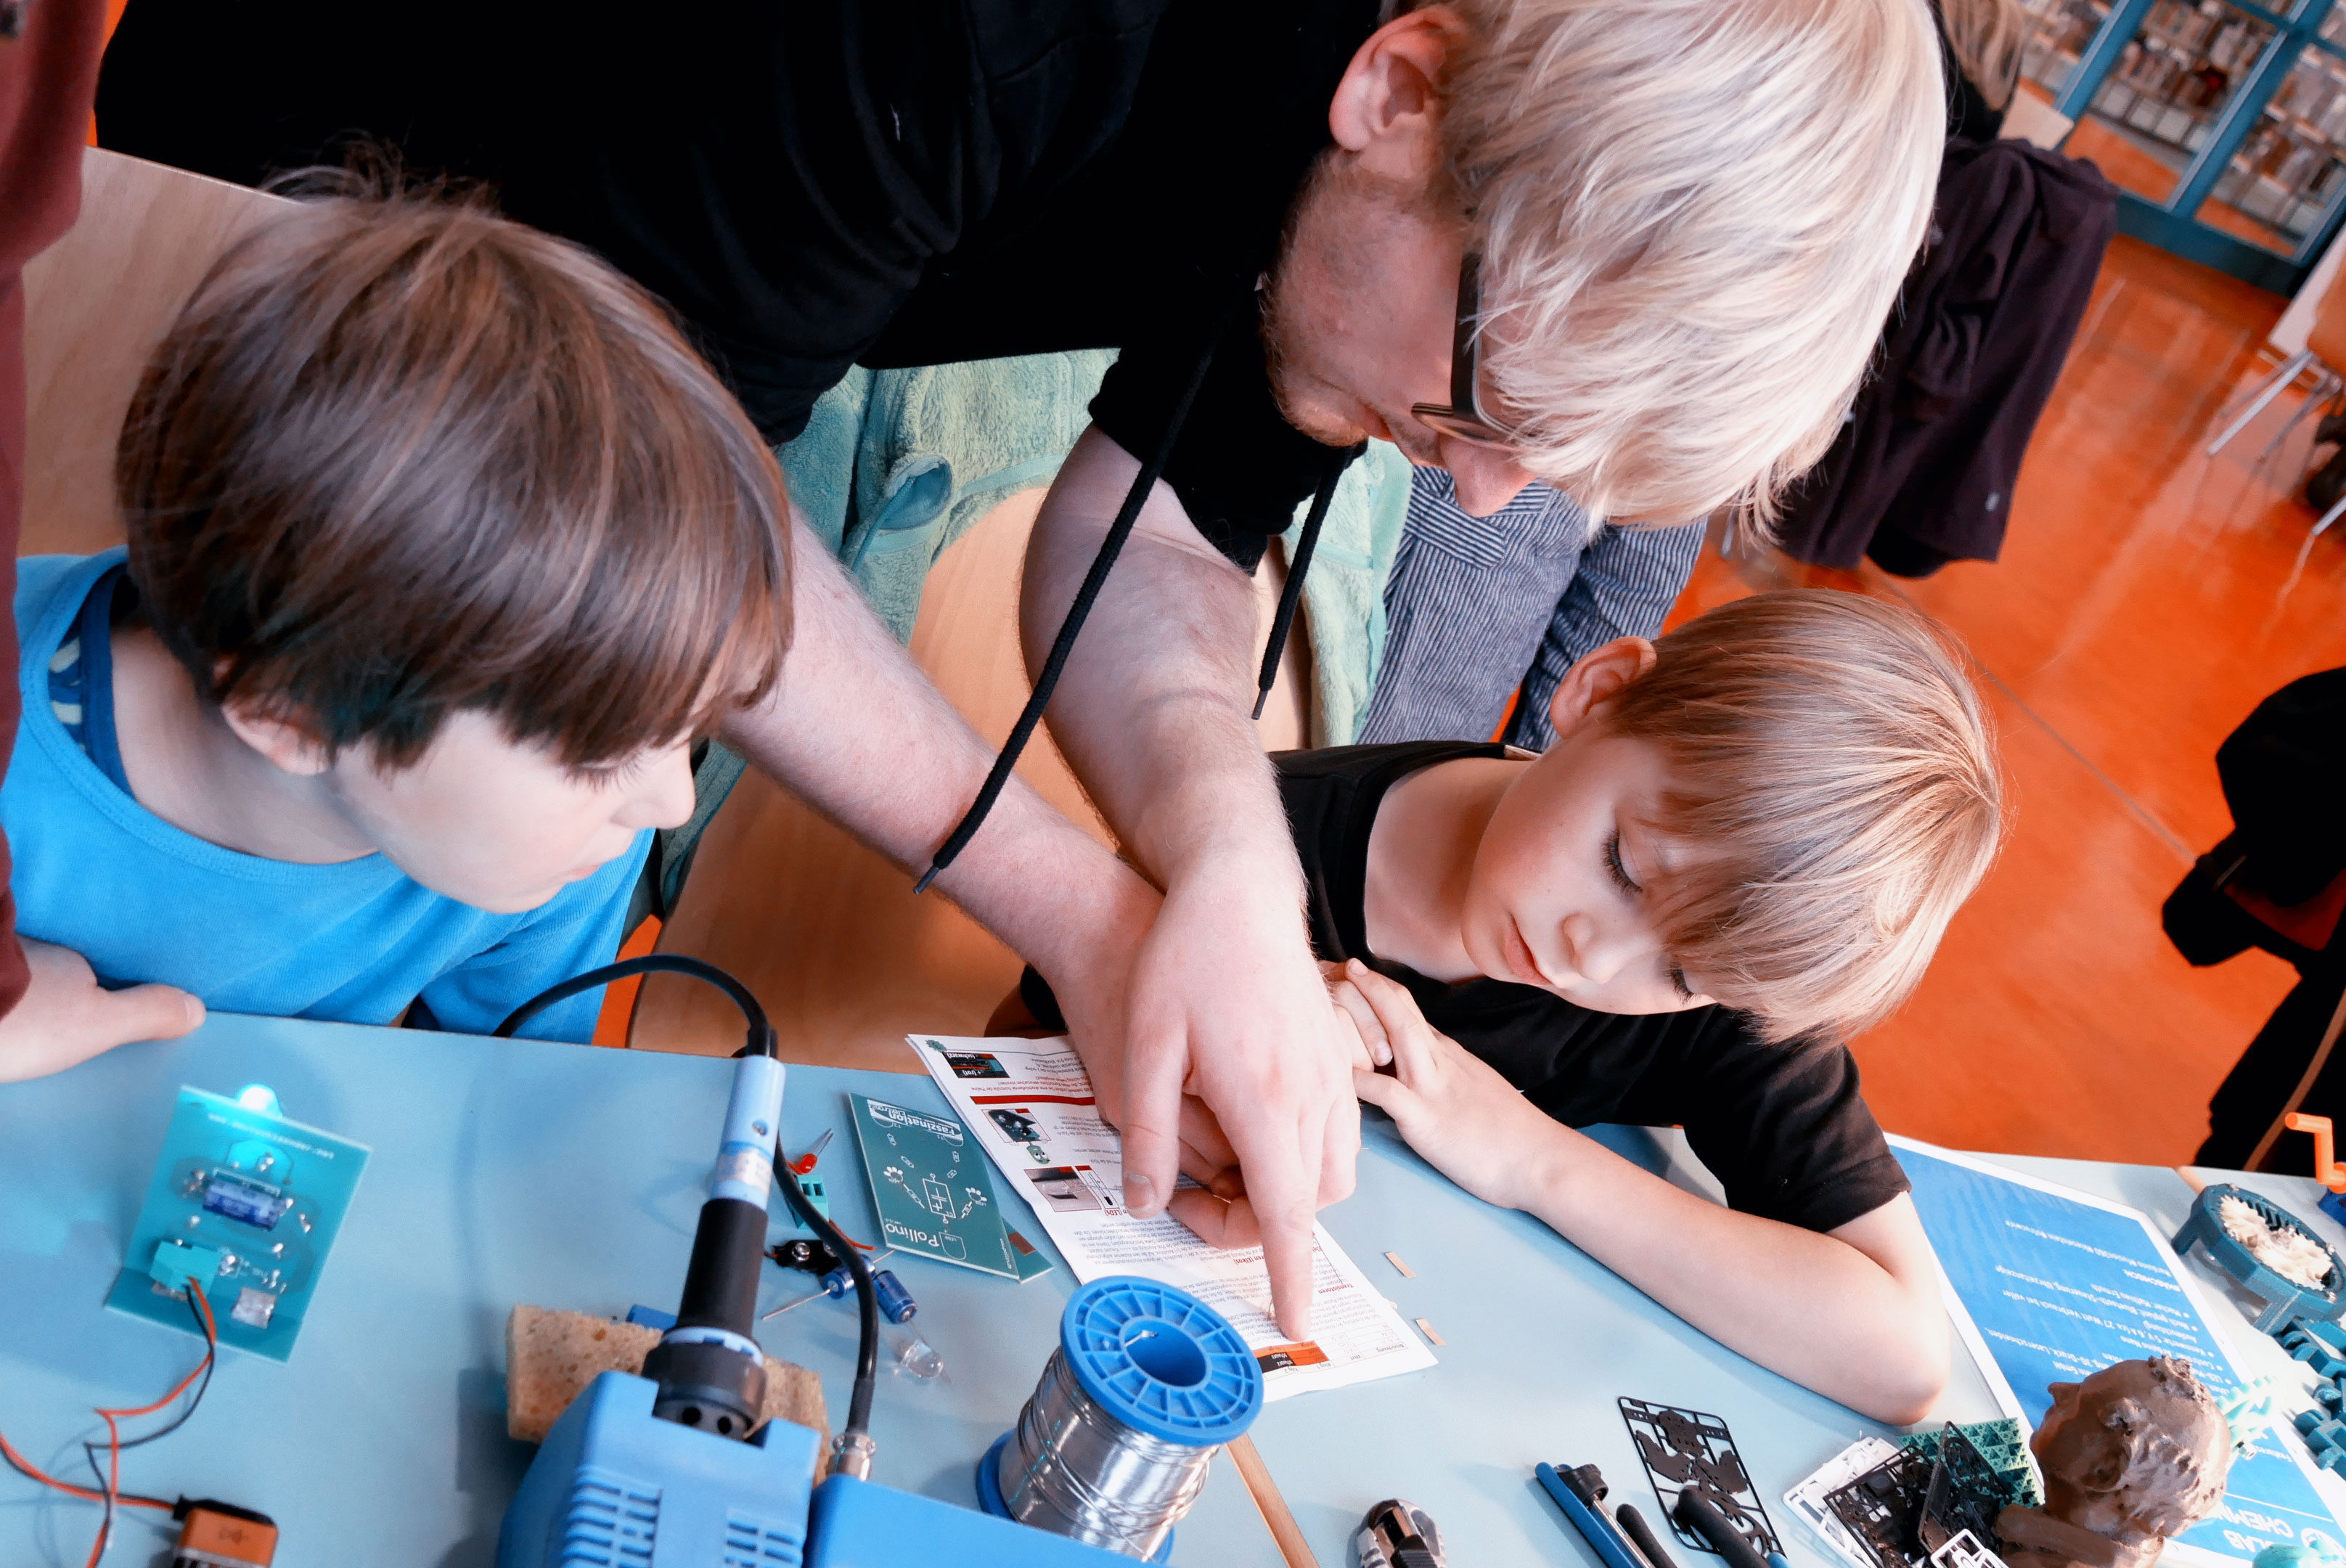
<point>2047,1284</point>
<point>1029,1105</point>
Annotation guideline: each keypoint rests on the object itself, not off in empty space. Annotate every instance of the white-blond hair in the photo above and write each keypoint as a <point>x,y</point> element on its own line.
<point>1694,216</point>
<point>1834,783</point>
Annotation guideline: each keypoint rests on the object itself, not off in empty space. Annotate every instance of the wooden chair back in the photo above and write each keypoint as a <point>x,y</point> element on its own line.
<point>95,304</point>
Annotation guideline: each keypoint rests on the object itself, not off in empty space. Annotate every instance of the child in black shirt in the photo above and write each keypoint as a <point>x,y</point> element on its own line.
<point>1743,847</point>
<point>1744,844</point>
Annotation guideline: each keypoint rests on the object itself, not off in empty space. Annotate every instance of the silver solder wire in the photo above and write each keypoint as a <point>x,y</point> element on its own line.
<point>1075,1470</point>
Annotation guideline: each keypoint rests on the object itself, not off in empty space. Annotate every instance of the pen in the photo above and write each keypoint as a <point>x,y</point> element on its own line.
<point>1593,1526</point>
<point>1697,1514</point>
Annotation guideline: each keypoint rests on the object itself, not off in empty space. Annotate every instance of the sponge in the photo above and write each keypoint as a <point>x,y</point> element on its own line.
<point>551,1356</point>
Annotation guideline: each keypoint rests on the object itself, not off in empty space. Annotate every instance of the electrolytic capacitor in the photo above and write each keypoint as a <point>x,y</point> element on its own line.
<point>895,1302</point>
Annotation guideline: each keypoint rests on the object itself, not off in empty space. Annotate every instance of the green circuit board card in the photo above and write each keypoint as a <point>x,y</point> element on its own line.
<point>243,1205</point>
<point>930,1184</point>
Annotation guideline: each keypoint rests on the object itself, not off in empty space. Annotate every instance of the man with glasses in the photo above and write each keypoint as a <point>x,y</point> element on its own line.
<point>1640,248</point>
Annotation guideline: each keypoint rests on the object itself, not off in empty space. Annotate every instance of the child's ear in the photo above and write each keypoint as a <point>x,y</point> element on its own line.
<point>281,734</point>
<point>1598,678</point>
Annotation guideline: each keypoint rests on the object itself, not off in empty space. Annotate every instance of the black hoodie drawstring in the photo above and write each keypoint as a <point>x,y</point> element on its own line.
<point>1061,646</point>
<point>1110,547</point>
<point>1292,594</point>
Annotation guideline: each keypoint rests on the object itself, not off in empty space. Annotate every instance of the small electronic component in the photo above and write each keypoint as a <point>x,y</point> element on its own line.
<point>176,1264</point>
<point>806,1162</point>
<point>816,1196</point>
<point>917,1357</point>
<point>222,1535</point>
<point>1686,1451</point>
<point>253,1309</point>
<point>241,1198</point>
<point>895,1302</point>
<point>805,1256</point>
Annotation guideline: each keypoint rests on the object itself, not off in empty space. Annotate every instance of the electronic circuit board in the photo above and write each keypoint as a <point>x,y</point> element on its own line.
<point>930,1184</point>
<point>244,1205</point>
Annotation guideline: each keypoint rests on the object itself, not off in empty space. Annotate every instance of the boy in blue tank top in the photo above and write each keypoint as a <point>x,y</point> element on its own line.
<point>443,548</point>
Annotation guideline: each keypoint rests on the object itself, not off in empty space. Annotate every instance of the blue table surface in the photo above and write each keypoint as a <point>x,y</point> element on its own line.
<point>518,1171</point>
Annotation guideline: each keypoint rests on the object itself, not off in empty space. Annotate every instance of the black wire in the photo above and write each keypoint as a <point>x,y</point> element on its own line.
<point>1064,643</point>
<point>1293,591</point>
<point>867,1300</point>
<point>89,1449</point>
<point>761,1034</point>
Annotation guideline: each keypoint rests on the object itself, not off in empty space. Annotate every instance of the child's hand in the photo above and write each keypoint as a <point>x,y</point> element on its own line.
<point>1367,1057</point>
<point>1454,1108</point>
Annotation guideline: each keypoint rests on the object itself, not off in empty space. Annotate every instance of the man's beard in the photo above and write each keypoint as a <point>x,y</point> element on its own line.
<point>1296,374</point>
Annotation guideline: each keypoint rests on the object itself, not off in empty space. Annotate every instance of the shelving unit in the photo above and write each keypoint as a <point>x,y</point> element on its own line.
<point>2235,112</point>
<point>2288,172</point>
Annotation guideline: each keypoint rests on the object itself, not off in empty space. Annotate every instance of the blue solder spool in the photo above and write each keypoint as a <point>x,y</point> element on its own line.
<point>1147,1385</point>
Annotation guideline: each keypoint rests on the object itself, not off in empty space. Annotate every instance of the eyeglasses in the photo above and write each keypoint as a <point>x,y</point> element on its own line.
<point>1462,418</point>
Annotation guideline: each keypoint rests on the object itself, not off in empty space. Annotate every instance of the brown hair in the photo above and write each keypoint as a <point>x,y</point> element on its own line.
<point>400,457</point>
<point>1834,779</point>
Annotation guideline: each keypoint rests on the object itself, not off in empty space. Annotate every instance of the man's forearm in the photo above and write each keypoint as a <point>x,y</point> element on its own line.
<point>1814,1308</point>
<point>857,731</point>
<point>1153,710</point>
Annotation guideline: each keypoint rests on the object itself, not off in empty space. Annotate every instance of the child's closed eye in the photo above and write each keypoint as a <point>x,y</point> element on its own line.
<point>1612,863</point>
<point>610,774</point>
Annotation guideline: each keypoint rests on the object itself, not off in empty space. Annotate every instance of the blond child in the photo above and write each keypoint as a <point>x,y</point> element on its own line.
<point>1743,848</point>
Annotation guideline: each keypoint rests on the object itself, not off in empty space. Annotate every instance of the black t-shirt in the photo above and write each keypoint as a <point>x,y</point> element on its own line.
<point>1782,1127</point>
<point>816,185</point>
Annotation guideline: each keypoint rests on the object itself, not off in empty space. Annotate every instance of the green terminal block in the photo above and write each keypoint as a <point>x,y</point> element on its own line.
<point>176,1264</point>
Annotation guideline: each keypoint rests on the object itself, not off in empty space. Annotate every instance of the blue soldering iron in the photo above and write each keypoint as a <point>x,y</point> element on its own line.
<point>711,1374</point>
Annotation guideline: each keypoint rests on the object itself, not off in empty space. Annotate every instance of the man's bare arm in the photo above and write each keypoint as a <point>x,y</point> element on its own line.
<point>856,730</point>
<point>1154,714</point>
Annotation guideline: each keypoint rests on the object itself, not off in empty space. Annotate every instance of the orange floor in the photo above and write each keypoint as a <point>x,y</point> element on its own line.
<point>2148,597</point>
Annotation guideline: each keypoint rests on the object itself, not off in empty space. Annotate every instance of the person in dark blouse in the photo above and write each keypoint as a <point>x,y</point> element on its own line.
<point>1743,846</point>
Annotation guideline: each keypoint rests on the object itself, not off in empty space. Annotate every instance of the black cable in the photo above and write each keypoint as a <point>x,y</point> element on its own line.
<point>867,1301</point>
<point>1291,592</point>
<point>761,1034</point>
<point>211,1360</point>
<point>1064,643</point>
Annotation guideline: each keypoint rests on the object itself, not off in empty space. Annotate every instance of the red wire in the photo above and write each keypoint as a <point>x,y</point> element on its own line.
<point>112,1496</point>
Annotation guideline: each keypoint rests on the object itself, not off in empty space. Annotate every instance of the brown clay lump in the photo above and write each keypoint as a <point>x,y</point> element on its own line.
<point>2132,1456</point>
